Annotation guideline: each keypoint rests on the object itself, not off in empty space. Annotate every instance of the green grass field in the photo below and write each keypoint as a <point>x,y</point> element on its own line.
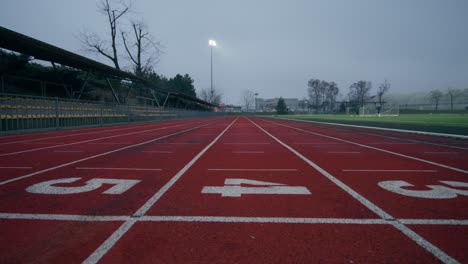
<point>440,123</point>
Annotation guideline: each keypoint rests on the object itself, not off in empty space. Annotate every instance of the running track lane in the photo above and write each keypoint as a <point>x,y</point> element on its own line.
<point>405,136</point>
<point>17,164</point>
<point>45,141</point>
<point>442,222</point>
<point>181,238</point>
<point>188,224</point>
<point>71,132</point>
<point>448,151</point>
<point>73,238</point>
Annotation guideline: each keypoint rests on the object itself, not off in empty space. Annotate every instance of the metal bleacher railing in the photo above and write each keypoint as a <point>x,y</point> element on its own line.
<point>28,113</point>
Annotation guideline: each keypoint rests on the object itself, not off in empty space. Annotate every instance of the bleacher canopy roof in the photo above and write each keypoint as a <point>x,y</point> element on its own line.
<point>17,42</point>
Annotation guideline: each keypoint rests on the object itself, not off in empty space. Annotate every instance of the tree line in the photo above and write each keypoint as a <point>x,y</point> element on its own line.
<point>452,94</point>
<point>22,74</point>
<point>323,95</point>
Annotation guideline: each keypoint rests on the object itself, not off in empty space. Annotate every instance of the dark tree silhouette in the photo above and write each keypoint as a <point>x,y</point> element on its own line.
<point>143,51</point>
<point>95,43</point>
<point>359,92</point>
<point>281,107</point>
<point>435,96</point>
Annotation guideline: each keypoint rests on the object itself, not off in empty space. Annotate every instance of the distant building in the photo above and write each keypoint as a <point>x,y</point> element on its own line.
<point>229,108</point>
<point>269,105</point>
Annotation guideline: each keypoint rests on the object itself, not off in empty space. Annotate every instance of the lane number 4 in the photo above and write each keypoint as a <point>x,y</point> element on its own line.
<point>47,187</point>
<point>234,188</point>
<point>435,192</point>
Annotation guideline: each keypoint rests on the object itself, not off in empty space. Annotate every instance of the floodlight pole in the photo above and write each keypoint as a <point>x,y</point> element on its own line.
<point>211,68</point>
<point>212,44</point>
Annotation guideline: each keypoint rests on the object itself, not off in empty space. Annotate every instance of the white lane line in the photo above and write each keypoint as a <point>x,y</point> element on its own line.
<point>316,143</point>
<point>230,219</point>
<point>439,152</point>
<point>110,143</point>
<point>68,151</point>
<point>110,242</point>
<point>73,135</point>
<point>350,170</point>
<point>282,220</point>
<point>90,140</point>
<point>433,222</point>
<point>375,148</point>
<point>181,143</point>
<point>344,152</point>
<point>248,152</point>
<point>411,140</point>
<point>10,167</point>
<point>99,155</point>
<point>62,217</point>
<point>377,128</point>
<point>371,206</point>
<point>129,169</point>
<point>252,169</point>
<point>253,143</point>
<point>390,143</point>
<point>157,151</point>
<point>244,134</point>
<point>44,143</point>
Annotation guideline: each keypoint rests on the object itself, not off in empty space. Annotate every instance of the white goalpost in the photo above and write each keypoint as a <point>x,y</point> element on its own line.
<point>372,109</point>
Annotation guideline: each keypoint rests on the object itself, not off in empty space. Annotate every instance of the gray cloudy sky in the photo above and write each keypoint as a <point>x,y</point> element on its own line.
<point>273,47</point>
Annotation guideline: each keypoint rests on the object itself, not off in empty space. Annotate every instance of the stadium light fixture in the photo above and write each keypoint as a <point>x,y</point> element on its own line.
<point>212,44</point>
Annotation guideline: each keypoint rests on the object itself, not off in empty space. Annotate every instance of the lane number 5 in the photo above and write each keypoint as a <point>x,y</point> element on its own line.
<point>435,192</point>
<point>47,187</point>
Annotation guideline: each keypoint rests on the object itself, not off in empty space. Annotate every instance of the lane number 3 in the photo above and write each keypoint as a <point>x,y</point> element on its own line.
<point>47,187</point>
<point>435,192</point>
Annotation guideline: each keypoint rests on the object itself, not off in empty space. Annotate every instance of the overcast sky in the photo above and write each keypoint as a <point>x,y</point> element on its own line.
<point>273,47</point>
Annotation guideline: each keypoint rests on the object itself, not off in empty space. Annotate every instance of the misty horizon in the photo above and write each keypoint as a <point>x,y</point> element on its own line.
<point>274,48</point>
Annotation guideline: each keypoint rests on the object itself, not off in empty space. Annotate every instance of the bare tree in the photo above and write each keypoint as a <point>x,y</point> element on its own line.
<point>248,98</point>
<point>359,92</point>
<point>315,92</point>
<point>453,93</point>
<point>212,96</point>
<point>435,96</point>
<point>94,43</point>
<point>331,94</point>
<point>382,90</point>
<point>144,50</point>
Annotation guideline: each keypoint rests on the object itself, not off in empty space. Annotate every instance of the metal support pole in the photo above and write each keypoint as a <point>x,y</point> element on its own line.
<point>100,118</point>
<point>128,113</point>
<point>155,98</point>
<point>57,124</point>
<point>3,84</point>
<point>84,85</point>
<point>211,69</point>
<point>42,88</point>
<point>128,92</point>
<point>167,97</point>
<point>113,91</point>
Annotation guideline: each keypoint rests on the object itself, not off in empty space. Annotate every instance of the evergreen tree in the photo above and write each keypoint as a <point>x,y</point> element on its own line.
<point>281,107</point>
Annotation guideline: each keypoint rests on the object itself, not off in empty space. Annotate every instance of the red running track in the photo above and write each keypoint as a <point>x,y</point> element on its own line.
<point>232,190</point>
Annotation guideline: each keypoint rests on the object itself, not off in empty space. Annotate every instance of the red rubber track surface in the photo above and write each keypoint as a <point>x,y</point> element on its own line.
<point>188,201</point>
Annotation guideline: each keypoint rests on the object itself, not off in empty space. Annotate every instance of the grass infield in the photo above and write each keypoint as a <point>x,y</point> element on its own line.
<point>439,123</point>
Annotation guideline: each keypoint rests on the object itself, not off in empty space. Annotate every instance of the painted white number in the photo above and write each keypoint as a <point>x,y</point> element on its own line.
<point>233,188</point>
<point>120,186</point>
<point>436,192</point>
